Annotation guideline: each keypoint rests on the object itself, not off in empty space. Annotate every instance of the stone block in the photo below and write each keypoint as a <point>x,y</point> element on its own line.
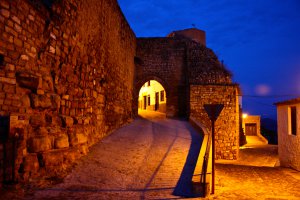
<point>81,138</point>
<point>78,137</point>
<point>25,101</point>
<point>55,99</point>
<point>53,160</point>
<point>27,80</point>
<point>11,89</point>
<point>5,13</point>
<point>83,149</point>
<point>40,101</point>
<point>39,144</point>
<point>18,42</point>
<point>52,50</point>
<point>24,57</point>
<point>8,80</point>
<point>66,97</point>
<point>71,155</point>
<point>31,163</point>
<point>100,99</point>
<point>30,17</point>
<point>67,121</point>
<point>86,121</point>
<point>37,120</point>
<point>40,91</point>
<point>16,19</point>
<point>42,131</point>
<point>61,142</point>
<point>4,4</point>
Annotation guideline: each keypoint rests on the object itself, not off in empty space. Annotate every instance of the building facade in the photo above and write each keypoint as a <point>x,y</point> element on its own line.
<point>192,76</point>
<point>251,127</point>
<point>288,120</point>
<point>152,96</point>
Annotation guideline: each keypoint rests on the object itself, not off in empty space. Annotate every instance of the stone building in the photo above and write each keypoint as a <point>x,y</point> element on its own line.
<point>152,97</point>
<point>288,120</point>
<point>70,74</point>
<point>192,76</point>
<point>251,127</point>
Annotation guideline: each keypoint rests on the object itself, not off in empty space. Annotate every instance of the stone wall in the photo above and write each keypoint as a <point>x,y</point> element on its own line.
<point>176,62</point>
<point>67,73</point>
<point>163,59</point>
<point>227,124</point>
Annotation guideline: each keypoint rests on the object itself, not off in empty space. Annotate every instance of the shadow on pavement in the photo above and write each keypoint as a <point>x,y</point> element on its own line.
<point>184,187</point>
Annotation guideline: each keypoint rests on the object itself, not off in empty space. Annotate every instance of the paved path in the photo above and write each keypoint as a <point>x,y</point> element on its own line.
<point>256,175</point>
<point>153,158</point>
<point>255,140</point>
<point>144,160</point>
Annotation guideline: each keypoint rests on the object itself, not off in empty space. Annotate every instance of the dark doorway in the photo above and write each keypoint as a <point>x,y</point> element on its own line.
<point>145,102</point>
<point>156,100</point>
<point>251,129</point>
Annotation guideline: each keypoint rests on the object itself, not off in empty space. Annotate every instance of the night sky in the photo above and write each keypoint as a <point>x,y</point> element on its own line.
<point>259,41</point>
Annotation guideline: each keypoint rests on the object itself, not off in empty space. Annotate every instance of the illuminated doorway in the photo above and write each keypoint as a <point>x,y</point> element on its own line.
<point>152,97</point>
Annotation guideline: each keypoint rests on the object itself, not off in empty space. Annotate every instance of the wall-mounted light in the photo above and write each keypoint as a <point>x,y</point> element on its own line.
<point>245,115</point>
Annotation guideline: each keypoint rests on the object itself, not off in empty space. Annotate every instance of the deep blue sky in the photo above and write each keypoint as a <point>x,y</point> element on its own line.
<point>259,40</point>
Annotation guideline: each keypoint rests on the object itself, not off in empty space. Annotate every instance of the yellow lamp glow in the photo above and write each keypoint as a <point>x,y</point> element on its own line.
<point>245,115</point>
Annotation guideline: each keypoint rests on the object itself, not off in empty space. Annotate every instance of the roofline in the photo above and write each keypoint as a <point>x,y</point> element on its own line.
<point>288,102</point>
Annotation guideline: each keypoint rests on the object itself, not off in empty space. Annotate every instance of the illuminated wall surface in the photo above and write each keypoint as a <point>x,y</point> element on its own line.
<point>288,119</point>
<point>152,94</point>
<point>66,73</point>
<point>70,74</point>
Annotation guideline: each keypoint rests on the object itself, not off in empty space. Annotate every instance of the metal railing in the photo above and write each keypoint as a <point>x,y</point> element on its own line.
<point>205,166</point>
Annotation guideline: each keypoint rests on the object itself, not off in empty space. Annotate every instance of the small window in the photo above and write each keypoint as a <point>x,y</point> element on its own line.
<point>162,95</point>
<point>148,100</point>
<point>293,120</point>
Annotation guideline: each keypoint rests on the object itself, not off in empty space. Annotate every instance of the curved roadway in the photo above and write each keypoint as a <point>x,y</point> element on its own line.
<point>143,160</point>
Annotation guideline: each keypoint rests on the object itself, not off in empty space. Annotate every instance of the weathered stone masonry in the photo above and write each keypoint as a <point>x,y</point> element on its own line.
<point>70,73</point>
<point>67,75</point>
<point>192,76</point>
<point>227,124</point>
<point>163,59</point>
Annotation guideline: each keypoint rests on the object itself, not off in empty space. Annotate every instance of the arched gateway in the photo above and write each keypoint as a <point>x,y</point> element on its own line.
<point>192,76</point>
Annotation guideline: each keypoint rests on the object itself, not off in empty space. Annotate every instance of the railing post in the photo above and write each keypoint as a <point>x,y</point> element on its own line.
<point>204,175</point>
<point>213,157</point>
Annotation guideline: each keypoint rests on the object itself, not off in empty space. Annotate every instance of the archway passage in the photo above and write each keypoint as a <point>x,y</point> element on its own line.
<point>152,97</point>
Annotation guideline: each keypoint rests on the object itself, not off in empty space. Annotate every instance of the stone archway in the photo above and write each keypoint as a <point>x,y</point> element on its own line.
<point>165,60</point>
<point>141,81</point>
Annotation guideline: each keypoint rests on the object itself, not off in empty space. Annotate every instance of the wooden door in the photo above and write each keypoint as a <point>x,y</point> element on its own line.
<point>251,129</point>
